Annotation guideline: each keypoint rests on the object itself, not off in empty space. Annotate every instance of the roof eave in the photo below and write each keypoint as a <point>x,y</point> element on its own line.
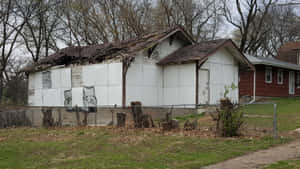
<point>275,65</point>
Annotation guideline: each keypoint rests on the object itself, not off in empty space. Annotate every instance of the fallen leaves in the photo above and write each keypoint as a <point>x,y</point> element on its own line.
<point>2,139</point>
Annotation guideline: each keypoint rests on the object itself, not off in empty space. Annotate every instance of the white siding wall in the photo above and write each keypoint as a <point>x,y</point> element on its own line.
<point>223,70</point>
<point>164,48</point>
<point>144,82</point>
<point>106,78</point>
<point>179,84</point>
<point>60,81</point>
<point>144,79</point>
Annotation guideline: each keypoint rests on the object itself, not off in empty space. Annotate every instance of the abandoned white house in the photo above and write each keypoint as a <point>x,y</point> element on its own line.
<point>161,68</point>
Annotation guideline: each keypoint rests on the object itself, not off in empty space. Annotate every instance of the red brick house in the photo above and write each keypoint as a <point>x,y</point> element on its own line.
<point>273,77</point>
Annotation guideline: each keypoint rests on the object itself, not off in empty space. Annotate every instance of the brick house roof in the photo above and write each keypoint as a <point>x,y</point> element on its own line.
<point>290,46</point>
<point>289,52</point>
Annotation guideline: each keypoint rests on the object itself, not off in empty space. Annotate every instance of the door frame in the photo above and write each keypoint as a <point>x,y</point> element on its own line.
<point>198,85</point>
<point>291,86</point>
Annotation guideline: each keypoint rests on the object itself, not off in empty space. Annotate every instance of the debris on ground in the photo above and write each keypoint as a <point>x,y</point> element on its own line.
<point>297,131</point>
<point>191,125</point>
<point>168,123</point>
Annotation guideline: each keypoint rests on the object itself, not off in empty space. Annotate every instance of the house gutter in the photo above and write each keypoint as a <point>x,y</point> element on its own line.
<point>254,87</point>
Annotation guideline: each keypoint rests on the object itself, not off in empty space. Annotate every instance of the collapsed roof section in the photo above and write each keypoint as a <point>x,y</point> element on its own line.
<point>105,52</point>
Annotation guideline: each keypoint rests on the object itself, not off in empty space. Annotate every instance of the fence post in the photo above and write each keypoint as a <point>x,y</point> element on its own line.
<point>275,121</point>
<point>32,118</point>
<point>96,117</point>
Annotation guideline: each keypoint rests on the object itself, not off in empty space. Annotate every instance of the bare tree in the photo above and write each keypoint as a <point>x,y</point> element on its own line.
<point>10,28</point>
<point>283,26</point>
<point>15,89</point>
<point>39,29</point>
<point>250,17</point>
<point>101,21</point>
<point>200,19</point>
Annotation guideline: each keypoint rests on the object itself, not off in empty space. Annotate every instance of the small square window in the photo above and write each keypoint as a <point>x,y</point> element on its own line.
<point>46,80</point>
<point>268,75</point>
<point>280,76</point>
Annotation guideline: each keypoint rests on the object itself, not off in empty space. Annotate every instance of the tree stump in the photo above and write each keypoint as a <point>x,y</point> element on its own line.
<point>140,120</point>
<point>47,117</point>
<point>147,121</point>
<point>121,119</point>
<point>136,108</point>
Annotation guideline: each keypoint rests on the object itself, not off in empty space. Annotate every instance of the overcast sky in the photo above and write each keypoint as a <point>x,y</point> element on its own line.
<point>225,30</point>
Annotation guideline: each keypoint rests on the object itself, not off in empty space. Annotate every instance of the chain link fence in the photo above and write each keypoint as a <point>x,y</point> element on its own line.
<point>260,118</point>
<point>75,116</point>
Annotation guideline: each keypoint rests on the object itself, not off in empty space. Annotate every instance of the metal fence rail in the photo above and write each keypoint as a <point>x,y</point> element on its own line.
<point>105,114</point>
<point>274,114</point>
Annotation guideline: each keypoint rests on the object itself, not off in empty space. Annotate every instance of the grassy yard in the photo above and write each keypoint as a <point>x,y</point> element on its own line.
<point>117,148</point>
<point>292,164</point>
<point>108,148</point>
<point>288,113</point>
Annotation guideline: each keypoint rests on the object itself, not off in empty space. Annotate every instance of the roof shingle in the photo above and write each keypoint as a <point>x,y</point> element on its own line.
<point>193,52</point>
<point>290,46</point>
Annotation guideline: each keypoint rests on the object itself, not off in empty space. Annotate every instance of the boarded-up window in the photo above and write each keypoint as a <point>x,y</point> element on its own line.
<point>68,99</point>
<point>46,79</point>
<point>89,99</point>
<point>76,76</point>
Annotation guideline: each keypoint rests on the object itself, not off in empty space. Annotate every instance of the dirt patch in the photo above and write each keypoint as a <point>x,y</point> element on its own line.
<point>261,158</point>
<point>54,134</point>
<point>62,157</point>
<point>48,137</point>
<point>136,136</point>
<point>131,140</point>
<point>2,139</point>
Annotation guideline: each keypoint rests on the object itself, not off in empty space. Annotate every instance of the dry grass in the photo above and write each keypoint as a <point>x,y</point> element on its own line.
<point>107,147</point>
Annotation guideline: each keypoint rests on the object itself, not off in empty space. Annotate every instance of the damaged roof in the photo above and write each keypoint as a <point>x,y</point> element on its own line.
<point>110,51</point>
<point>201,51</point>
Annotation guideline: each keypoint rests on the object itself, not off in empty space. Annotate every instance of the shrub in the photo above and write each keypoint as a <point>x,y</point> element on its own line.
<point>230,119</point>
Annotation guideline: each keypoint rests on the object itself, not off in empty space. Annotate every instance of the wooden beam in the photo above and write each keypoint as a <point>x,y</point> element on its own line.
<point>197,83</point>
<point>124,71</point>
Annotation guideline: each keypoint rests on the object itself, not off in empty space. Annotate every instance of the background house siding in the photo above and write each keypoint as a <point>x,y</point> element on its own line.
<point>266,89</point>
<point>246,83</point>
